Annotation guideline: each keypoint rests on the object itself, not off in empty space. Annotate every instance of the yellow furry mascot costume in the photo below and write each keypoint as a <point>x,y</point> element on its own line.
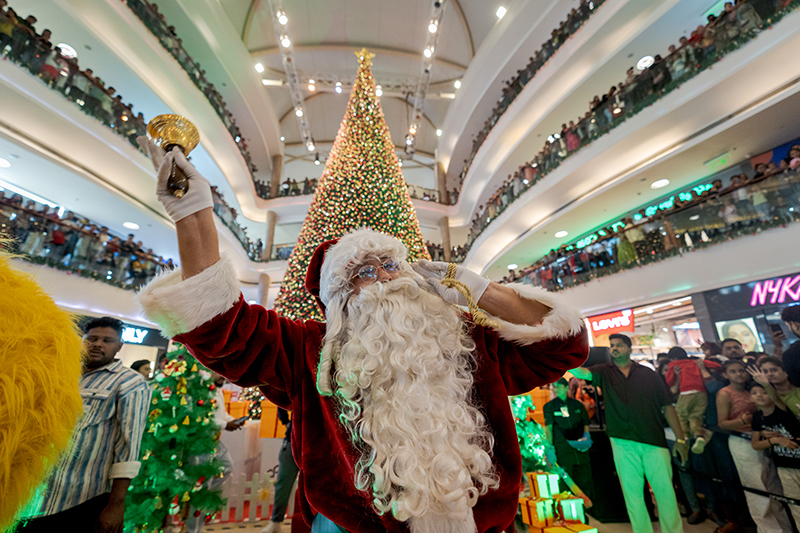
<point>40,401</point>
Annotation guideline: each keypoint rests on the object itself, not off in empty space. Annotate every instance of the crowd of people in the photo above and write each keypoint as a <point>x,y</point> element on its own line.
<point>686,221</point>
<point>729,419</point>
<point>21,43</point>
<point>738,23</point>
<point>228,215</point>
<point>76,243</point>
<point>156,22</point>
<point>511,88</point>
<point>457,254</point>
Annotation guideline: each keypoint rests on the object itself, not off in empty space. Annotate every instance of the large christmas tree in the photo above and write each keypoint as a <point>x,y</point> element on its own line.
<point>362,186</point>
<point>181,427</point>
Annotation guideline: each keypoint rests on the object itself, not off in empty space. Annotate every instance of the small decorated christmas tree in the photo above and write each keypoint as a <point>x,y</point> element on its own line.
<point>253,397</point>
<point>180,427</point>
<point>362,186</point>
<point>531,437</point>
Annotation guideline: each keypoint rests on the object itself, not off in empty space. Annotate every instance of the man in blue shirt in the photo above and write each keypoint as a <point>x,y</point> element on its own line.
<point>86,492</point>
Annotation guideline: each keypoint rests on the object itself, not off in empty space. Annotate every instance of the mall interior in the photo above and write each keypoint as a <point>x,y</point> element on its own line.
<point>637,159</point>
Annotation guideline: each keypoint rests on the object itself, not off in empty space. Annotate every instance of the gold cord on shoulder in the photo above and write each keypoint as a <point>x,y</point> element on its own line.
<point>478,316</point>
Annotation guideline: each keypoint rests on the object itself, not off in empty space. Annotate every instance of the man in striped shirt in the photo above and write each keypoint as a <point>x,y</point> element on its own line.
<point>86,491</point>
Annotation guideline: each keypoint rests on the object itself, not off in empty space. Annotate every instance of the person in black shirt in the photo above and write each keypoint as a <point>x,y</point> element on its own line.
<point>777,429</point>
<point>287,473</point>
<point>567,428</point>
<point>791,357</point>
<point>637,402</point>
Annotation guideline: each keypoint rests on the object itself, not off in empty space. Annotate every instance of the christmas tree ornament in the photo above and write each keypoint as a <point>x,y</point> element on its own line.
<point>185,421</point>
<point>174,411</point>
<point>155,413</point>
<point>186,497</point>
<point>183,400</point>
<point>147,455</point>
<point>194,367</point>
<point>157,504</point>
<point>212,387</point>
<point>201,402</point>
<point>160,377</point>
<point>173,428</point>
<point>362,185</point>
<point>166,394</point>
<point>155,401</point>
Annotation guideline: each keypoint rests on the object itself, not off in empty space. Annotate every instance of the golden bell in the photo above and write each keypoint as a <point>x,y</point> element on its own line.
<point>168,132</point>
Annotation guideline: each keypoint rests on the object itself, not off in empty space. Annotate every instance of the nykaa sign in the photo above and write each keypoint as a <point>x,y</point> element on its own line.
<point>612,322</point>
<point>776,291</point>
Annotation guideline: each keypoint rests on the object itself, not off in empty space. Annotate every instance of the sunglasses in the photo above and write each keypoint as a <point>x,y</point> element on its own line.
<point>369,273</point>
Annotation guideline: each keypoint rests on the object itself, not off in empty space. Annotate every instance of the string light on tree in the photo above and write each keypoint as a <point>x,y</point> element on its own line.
<point>362,185</point>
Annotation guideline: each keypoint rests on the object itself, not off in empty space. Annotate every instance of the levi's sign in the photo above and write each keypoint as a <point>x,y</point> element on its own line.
<point>776,290</point>
<point>612,322</point>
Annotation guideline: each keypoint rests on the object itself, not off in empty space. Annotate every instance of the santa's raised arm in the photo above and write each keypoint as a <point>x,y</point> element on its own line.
<point>402,420</point>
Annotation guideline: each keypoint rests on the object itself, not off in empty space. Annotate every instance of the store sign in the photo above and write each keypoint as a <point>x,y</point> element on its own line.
<point>612,322</point>
<point>134,335</point>
<point>776,290</point>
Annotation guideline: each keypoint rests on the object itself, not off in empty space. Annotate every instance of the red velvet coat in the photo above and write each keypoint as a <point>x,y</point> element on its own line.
<point>252,346</point>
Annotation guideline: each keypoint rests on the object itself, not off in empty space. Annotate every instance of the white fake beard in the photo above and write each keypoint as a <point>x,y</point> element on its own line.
<point>404,379</point>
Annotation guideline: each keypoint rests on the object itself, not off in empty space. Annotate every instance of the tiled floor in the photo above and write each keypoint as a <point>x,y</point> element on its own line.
<point>706,527</point>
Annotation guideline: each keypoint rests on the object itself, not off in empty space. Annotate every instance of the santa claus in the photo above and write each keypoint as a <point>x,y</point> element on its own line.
<point>401,398</point>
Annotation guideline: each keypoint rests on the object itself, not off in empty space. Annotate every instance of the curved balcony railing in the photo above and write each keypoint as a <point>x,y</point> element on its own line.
<point>575,20</point>
<point>691,222</point>
<point>76,245</point>
<point>20,43</point>
<point>148,13</point>
<point>291,187</point>
<point>708,44</point>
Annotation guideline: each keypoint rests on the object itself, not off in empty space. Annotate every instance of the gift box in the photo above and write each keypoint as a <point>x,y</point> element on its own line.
<point>581,528</point>
<point>543,485</point>
<point>271,427</point>
<point>571,509</point>
<point>525,510</point>
<point>238,409</point>
<point>541,512</point>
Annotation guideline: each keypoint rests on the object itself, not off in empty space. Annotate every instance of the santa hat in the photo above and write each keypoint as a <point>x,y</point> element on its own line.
<point>334,262</point>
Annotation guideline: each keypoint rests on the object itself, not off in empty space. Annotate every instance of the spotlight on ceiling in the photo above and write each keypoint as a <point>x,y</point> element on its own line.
<point>432,27</point>
<point>67,51</point>
<point>299,112</point>
<point>561,234</point>
<point>378,91</point>
<point>501,12</point>
<point>513,266</point>
<point>259,68</point>
<point>412,130</point>
<point>438,133</point>
<point>310,146</point>
<point>282,18</point>
<point>428,52</point>
<point>285,41</point>
<point>645,62</point>
<point>130,225</point>
<point>338,87</point>
<point>272,83</point>
<point>316,159</point>
<point>457,84</point>
<point>311,86</point>
<point>4,163</point>
<point>659,184</point>
<point>283,138</point>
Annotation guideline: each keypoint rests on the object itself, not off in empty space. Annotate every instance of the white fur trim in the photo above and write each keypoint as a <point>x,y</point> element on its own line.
<point>180,306</point>
<point>562,322</point>
<point>348,253</point>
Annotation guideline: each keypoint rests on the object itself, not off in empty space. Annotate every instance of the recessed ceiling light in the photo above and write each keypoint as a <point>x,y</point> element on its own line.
<point>310,146</point>
<point>432,27</point>
<point>561,234</point>
<point>282,18</point>
<point>645,62</point>
<point>659,184</point>
<point>259,68</point>
<point>457,84</point>
<point>438,133</point>
<point>299,111</point>
<point>131,225</point>
<point>694,217</point>
<point>501,11</point>
<point>67,51</point>
<point>252,302</point>
<point>338,87</point>
<point>4,163</point>
<point>286,42</point>
<point>283,138</point>
<point>513,266</point>
<point>272,83</point>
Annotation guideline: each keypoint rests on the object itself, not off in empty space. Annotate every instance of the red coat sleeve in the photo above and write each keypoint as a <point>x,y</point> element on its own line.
<point>252,346</point>
<point>671,374</point>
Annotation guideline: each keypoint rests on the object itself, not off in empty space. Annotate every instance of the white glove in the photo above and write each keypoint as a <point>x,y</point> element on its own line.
<point>197,198</point>
<point>434,273</point>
